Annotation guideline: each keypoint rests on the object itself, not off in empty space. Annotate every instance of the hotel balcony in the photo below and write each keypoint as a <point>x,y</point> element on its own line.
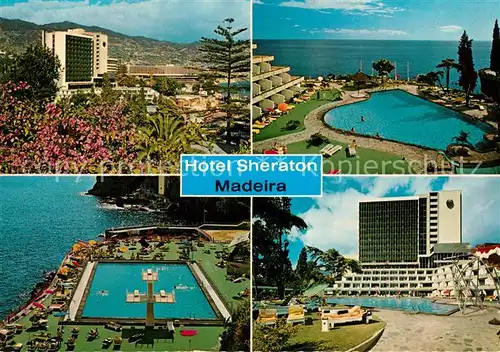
<point>257,59</point>
<point>269,88</point>
<point>281,71</point>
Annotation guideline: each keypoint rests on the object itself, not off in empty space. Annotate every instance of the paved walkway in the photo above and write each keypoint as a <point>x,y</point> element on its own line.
<point>80,290</point>
<point>422,332</point>
<point>417,157</point>
<point>222,308</point>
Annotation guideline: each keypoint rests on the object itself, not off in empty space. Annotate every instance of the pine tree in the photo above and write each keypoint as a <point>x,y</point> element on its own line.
<point>495,49</point>
<point>227,57</point>
<point>468,75</point>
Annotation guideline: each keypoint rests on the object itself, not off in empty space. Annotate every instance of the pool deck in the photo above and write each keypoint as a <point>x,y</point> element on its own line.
<point>418,157</point>
<point>221,292</point>
<point>220,305</point>
<point>409,332</point>
<point>79,294</point>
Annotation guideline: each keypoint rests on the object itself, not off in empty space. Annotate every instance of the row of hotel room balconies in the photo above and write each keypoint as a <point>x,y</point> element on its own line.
<point>271,85</point>
<point>441,278</point>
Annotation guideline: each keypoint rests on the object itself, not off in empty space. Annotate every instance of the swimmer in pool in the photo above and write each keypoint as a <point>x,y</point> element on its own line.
<point>362,119</point>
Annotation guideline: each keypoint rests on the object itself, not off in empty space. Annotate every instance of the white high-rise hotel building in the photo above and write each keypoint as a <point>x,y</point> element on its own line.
<point>83,56</point>
<point>402,242</point>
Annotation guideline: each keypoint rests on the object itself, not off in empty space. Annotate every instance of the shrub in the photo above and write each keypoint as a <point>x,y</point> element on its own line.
<point>291,125</point>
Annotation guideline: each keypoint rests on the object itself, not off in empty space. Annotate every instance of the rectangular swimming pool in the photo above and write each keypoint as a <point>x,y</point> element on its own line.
<point>420,305</point>
<point>107,294</point>
<point>401,116</point>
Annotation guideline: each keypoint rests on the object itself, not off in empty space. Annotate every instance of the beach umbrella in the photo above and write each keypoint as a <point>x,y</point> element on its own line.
<point>92,243</point>
<point>123,249</point>
<point>38,305</point>
<point>76,247</point>
<point>359,77</point>
<point>283,107</point>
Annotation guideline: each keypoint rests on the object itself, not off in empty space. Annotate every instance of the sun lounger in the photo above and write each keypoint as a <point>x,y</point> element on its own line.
<point>296,315</point>
<point>267,317</point>
<point>170,326</point>
<point>330,149</point>
<point>354,314</point>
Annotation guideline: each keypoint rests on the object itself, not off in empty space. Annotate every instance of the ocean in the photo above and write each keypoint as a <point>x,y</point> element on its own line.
<point>321,57</point>
<point>40,219</point>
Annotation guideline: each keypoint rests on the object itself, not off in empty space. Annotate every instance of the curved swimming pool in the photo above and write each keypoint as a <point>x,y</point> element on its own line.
<point>403,117</point>
<point>421,305</point>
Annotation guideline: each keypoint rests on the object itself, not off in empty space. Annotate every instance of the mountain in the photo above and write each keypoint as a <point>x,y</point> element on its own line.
<point>16,35</point>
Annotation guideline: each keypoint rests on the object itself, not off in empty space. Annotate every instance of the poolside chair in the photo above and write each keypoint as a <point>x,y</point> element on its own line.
<point>325,149</point>
<point>351,150</point>
<point>334,150</point>
<point>267,317</point>
<point>354,314</point>
<point>296,315</point>
<point>117,341</point>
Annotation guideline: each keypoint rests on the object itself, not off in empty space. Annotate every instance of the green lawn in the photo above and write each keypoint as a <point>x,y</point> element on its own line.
<point>206,339</point>
<point>367,161</point>
<point>298,113</point>
<point>343,337</point>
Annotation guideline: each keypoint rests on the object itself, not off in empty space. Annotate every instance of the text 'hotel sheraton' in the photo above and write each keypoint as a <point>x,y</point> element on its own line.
<point>413,245</point>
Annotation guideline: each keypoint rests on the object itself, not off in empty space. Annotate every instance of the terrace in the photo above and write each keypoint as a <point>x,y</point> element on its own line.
<point>208,267</point>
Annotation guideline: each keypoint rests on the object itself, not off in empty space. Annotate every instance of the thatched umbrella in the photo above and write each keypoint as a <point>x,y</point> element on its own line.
<point>359,77</point>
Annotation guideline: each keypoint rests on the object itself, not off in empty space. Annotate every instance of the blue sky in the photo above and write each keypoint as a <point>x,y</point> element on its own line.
<point>174,20</point>
<point>333,220</point>
<point>374,19</point>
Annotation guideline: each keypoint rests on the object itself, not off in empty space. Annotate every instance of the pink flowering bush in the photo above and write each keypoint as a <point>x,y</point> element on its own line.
<point>53,139</point>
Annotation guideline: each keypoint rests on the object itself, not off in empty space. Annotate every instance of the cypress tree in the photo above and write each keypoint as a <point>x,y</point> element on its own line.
<point>495,49</point>
<point>468,75</point>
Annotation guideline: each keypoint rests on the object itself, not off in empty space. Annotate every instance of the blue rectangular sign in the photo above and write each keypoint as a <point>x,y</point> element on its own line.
<point>251,175</point>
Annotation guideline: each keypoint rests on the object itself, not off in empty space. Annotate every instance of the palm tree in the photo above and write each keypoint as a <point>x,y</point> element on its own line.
<point>463,139</point>
<point>383,68</point>
<point>165,136</point>
<point>448,65</point>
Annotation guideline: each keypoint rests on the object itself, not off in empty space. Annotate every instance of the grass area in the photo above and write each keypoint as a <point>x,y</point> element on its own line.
<point>298,113</point>
<point>367,161</point>
<point>341,338</point>
<point>206,339</point>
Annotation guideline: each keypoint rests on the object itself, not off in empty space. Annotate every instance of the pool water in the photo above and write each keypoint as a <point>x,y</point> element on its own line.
<point>115,279</point>
<point>404,304</point>
<point>403,117</point>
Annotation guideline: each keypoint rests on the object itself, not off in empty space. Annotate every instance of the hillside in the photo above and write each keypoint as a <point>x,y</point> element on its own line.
<point>15,35</point>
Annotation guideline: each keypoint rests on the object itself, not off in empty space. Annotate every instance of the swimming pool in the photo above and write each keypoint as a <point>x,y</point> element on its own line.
<point>107,294</point>
<point>405,304</point>
<point>403,117</point>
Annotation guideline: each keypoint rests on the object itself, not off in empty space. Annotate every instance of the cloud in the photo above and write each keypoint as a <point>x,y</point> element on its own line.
<point>175,20</point>
<point>333,219</point>
<point>450,29</point>
<point>353,6</point>
<point>360,32</point>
